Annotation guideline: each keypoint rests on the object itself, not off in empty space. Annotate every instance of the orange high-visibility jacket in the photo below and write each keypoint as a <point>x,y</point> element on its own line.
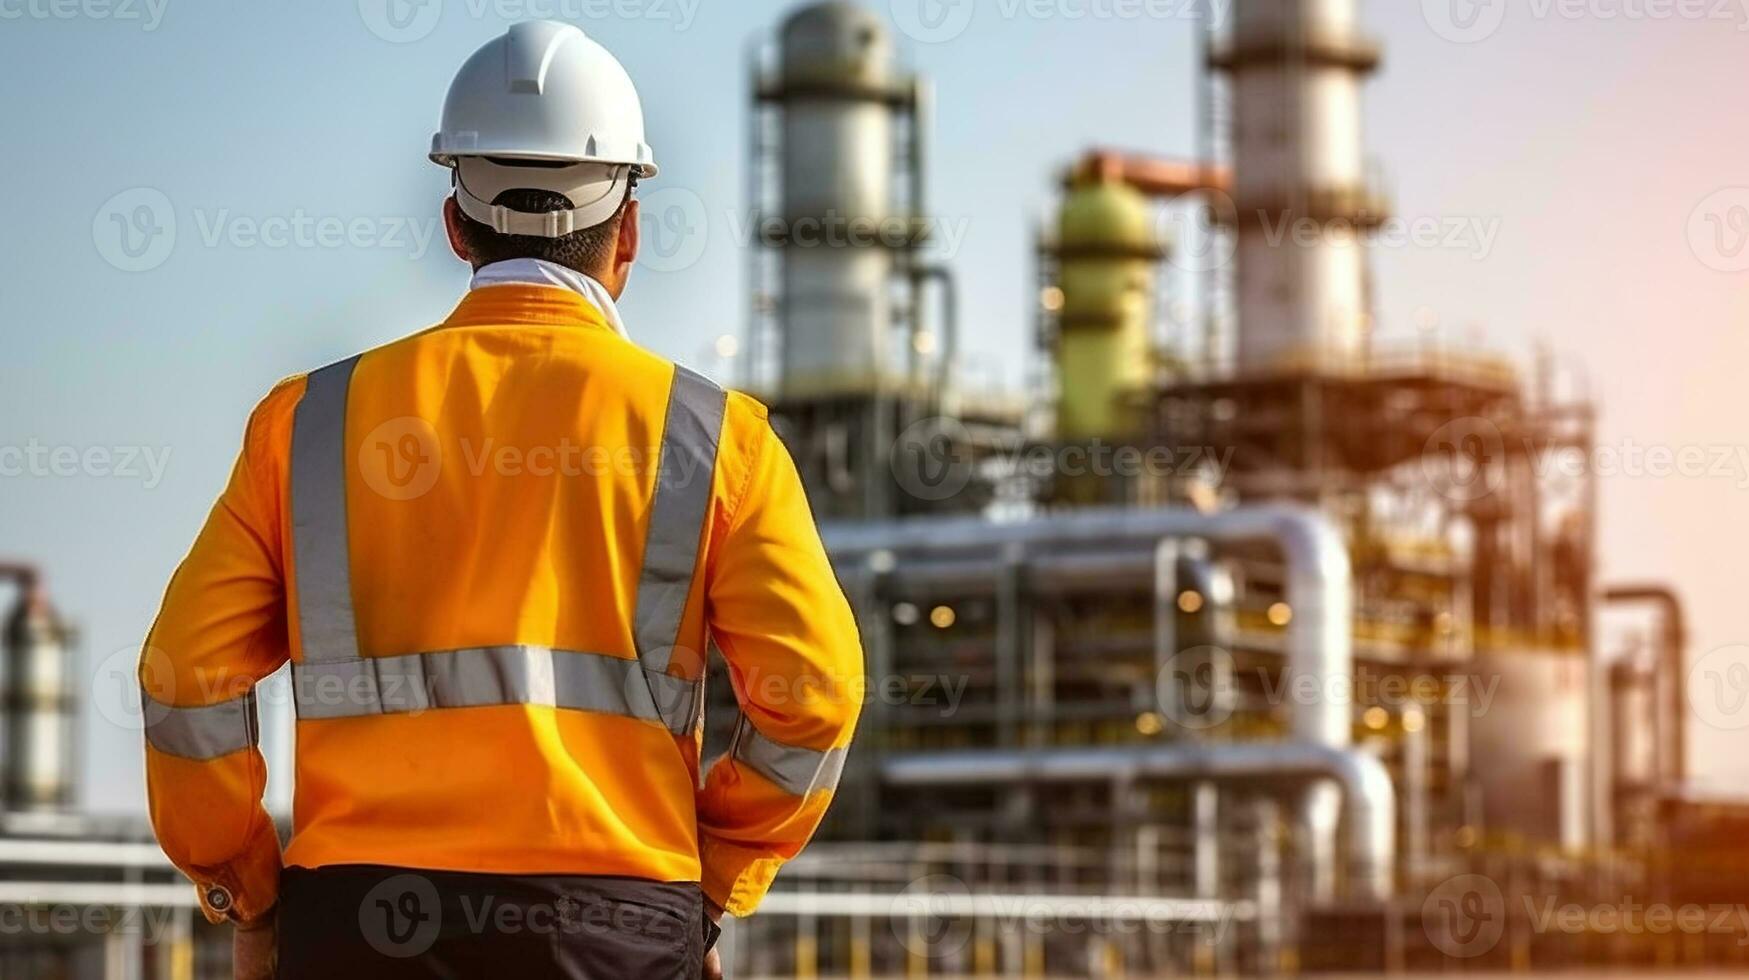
<point>494,553</point>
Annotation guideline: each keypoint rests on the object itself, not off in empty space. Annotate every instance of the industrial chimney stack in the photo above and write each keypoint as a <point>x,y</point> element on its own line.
<point>36,699</point>
<point>1301,197</point>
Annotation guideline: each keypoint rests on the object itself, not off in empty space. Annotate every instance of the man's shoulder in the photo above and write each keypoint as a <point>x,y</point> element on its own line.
<point>747,409</point>
<point>282,399</point>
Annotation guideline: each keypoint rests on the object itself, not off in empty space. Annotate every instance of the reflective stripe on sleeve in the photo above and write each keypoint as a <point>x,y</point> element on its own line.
<point>796,770</point>
<point>499,675</point>
<point>677,514</point>
<point>318,505</point>
<point>209,731</point>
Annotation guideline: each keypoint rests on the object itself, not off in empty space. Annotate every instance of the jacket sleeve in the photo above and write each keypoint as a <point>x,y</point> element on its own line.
<point>220,630</point>
<point>788,634</point>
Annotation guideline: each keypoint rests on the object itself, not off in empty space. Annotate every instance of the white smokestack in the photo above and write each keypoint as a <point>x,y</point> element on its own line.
<point>1297,67</point>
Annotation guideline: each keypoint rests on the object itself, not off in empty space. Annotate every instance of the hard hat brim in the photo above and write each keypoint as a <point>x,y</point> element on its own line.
<point>444,154</point>
<point>595,191</point>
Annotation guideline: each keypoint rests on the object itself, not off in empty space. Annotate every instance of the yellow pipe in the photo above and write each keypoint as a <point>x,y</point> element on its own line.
<point>1035,957</point>
<point>1520,953</point>
<point>984,955</point>
<point>917,957</point>
<point>861,954</point>
<point>1114,966</point>
<point>182,959</point>
<point>1203,960</point>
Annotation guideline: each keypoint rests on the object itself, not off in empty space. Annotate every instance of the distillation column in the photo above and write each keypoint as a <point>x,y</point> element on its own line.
<point>39,699</point>
<point>837,172</point>
<point>840,101</point>
<point>1301,199</point>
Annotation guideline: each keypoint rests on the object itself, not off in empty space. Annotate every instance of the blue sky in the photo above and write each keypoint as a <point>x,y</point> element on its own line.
<point>288,141</point>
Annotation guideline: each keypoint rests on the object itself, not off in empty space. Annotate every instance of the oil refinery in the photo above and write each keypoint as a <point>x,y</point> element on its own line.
<point>1305,675</point>
<point>1270,703</point>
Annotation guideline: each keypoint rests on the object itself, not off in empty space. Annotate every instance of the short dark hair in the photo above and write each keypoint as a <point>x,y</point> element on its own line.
<point>588,251</point>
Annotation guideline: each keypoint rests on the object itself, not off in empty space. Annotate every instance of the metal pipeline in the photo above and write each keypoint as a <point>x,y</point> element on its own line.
<point>1672,751</point>
<point>1369,806</point>
<point>921,276</point>
<point>1319,583</point>
<point>1320,657</point>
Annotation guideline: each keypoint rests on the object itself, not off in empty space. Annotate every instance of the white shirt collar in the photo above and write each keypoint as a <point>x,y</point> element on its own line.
<point>539,272</point>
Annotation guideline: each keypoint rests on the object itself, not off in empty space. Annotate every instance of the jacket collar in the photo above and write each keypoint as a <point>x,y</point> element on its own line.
<point>537,292</point>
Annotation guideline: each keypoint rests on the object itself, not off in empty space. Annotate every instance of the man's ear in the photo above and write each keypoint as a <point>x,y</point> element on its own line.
<point>452,224</point>
<point>625,250</point>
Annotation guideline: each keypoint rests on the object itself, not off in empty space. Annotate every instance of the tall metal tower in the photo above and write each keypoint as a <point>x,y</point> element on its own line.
<point>1296,68</point>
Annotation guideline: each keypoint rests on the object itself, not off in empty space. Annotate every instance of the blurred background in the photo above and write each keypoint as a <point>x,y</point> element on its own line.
<point>1284,453</point>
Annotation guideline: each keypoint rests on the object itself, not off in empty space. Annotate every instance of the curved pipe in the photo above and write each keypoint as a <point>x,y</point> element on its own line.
<point>1319,582</point>
<point>1673,753</point>
<point>1150,175</point>
<point>1369,800</point>
<point>1319,591</point>
<point>950,327</point>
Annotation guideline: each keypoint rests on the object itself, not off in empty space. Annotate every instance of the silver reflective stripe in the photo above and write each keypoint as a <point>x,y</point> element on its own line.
<point>796,770</point>
<point>318,505</point>
<point>484,676</point>
<point>334,681</point>
<point>206,732</point>
<point>677,514</point>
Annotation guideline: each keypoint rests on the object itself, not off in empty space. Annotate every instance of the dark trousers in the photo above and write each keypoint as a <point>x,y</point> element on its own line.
<point>382,922</point>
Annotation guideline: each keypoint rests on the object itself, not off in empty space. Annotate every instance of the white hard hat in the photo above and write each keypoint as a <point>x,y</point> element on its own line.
<point>545,108</point>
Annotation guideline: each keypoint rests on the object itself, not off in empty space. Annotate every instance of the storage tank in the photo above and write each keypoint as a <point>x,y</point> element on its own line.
<point>839,101</point>
<point>1108,255</point>
<point>39,703</point>
<point>1529,745</point>
<point>1300,193</point>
